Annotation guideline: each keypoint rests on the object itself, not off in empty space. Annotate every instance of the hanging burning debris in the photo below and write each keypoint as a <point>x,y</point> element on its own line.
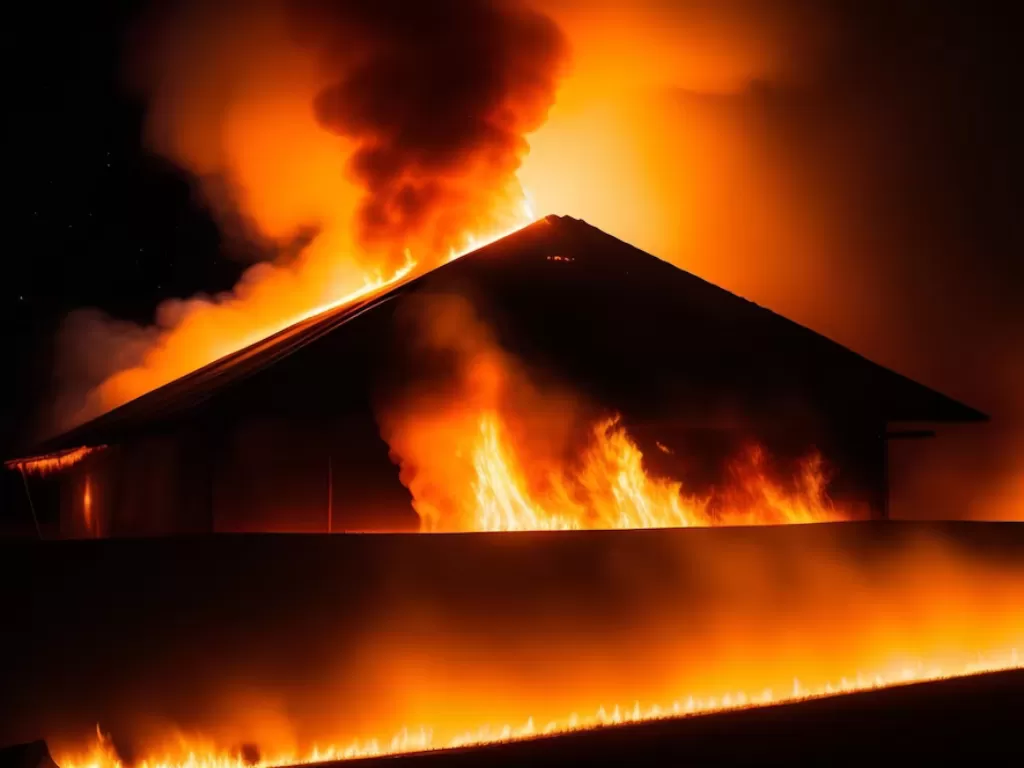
<point>52,462</point>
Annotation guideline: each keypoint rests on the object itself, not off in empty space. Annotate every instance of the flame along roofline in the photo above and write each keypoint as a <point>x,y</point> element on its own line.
<point>268,350</point>
<point>47,463</point>
<point>197,386</point>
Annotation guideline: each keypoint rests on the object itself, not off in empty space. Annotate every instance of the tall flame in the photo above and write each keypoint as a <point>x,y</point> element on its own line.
<point>487,449</point>
<point>612,490</point>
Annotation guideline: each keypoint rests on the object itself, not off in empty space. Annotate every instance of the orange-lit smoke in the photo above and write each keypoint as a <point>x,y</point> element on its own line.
<point>662,135</point>
<point>483,448</point>
<point>774,148</point>
<point>676,627</point>
<point>357,142</point>
<point>754,143</point>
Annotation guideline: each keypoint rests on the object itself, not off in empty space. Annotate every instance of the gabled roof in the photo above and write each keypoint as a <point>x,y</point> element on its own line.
<point>622,324</point>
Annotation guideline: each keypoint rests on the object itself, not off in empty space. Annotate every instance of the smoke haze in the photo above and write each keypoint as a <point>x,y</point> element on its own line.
<point>853,166</point>
<point>347,140</point>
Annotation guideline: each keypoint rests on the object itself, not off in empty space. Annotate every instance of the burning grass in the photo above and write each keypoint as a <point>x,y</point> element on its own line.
<point>466,640</point>
<point>411,740</point>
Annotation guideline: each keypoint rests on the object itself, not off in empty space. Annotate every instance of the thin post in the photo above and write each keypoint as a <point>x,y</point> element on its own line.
<point>885,475</point>
<point>31,506</point>
<point>330,495</point>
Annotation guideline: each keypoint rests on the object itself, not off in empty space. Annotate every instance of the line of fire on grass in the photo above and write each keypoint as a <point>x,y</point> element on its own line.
<point>411,741</point>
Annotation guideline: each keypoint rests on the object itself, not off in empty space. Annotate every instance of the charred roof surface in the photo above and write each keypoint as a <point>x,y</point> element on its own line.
<point>624,326</point>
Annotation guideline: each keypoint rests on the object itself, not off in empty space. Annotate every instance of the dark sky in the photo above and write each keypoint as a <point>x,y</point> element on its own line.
<point>98,221</point>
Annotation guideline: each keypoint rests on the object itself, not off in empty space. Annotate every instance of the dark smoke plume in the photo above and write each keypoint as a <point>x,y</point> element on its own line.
<point>437,97</point>
<point>340,135</point>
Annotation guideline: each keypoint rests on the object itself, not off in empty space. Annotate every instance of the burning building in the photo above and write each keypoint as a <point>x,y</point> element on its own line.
<point>377,371</point>
<point>552,327</point>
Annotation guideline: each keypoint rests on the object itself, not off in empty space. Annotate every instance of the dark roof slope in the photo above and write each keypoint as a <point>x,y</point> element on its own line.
<point>618,322</point>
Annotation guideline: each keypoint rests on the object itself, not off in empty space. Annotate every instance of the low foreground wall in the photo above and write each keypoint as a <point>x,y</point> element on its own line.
<point>285,641</point>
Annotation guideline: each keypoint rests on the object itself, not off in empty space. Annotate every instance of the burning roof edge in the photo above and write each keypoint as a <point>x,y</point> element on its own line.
<point>51,462</point>
<point>185,392</point>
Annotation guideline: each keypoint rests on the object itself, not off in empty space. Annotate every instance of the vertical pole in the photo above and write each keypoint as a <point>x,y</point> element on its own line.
<point>31,506</point>
<point>885,474</point>
<point>214,443</point>
<point>330,495</point>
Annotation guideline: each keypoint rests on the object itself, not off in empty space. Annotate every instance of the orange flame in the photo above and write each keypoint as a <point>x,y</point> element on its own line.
<point>489,451</point>
<point>407,740</point>
<point>231,98</point>
<point>53,462</point>
<point>273,298</point>
<point>613,490</point>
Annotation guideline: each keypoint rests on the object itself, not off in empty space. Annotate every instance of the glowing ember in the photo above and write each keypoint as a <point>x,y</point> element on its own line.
<point>102,754</point>
<point>52,462</point>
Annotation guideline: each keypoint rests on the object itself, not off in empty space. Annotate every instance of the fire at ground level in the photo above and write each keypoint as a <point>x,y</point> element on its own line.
<point>964,720</point>
<point>267,649</point>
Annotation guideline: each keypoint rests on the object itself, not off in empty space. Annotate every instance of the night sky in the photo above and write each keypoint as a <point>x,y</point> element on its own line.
<point>99,221</point>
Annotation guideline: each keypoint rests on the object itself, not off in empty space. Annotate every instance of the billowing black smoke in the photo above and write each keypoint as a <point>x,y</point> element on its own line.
<point>437,97</point>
